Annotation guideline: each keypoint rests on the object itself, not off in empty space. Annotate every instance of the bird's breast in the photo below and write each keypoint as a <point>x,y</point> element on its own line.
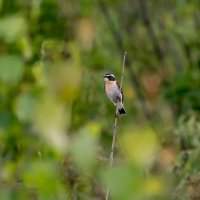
<point>112,91</point>
<point>111,87</point>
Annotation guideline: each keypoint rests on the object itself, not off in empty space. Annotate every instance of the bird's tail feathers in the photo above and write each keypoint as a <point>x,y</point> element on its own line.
<point>121,110</point>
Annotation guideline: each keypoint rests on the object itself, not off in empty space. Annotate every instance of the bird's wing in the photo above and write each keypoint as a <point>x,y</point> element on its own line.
<point>121,92</point>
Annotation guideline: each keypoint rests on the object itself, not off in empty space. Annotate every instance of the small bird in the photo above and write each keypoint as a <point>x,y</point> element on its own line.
<point>113,92</point>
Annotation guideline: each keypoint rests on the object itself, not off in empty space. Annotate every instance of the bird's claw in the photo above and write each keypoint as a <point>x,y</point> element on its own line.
<point>116,115</point>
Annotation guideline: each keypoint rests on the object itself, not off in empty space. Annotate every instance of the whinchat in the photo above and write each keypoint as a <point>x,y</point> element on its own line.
<point>113,92</point>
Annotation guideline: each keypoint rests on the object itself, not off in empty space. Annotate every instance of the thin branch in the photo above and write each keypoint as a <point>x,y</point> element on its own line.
<point>111,159</point>
<point>120,47</point>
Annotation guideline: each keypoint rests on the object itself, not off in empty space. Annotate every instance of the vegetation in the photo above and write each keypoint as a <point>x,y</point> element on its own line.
<point>56,123</point>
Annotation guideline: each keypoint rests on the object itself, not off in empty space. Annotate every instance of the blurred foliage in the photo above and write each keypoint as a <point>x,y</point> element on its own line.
<point>56,123</point>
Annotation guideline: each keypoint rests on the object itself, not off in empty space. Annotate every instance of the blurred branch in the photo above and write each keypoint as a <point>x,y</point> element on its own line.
<point>148,24</point>
<point>115,33</point>
<point>115,125</point>
<point>197,20</point>
<point>170,47</point>
<point>185,46</point>
<point>120,46</point>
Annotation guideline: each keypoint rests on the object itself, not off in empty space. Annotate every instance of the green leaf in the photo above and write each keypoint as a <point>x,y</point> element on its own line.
<point>12,28</point>
<point>11,69</point>
<point>84,151</point>
<point>43,176</point>
<point>124,182</point>
<point>25,106</point>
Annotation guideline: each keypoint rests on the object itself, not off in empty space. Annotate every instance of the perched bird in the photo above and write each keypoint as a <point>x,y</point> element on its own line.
<point>113,92</point>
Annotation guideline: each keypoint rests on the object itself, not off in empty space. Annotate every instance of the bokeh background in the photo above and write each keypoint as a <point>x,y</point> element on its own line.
<point>56,123</point>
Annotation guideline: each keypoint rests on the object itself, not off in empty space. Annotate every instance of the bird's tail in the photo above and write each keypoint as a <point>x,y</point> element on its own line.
<point>121,110</point>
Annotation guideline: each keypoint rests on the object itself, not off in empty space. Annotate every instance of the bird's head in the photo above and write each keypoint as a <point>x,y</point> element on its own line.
<point>109,77</point>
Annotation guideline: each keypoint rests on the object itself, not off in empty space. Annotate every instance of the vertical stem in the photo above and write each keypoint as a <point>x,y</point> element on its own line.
<point>111,159</point>
<point>148,24</point>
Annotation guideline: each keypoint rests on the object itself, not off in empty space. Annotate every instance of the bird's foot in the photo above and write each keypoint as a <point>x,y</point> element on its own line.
<point>116,115</point>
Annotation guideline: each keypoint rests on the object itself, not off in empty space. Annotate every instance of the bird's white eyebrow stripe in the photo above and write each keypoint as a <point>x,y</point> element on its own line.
<point>110,75</point>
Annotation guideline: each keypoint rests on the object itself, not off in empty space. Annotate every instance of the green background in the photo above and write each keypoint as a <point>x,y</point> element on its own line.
<point>56,123</point>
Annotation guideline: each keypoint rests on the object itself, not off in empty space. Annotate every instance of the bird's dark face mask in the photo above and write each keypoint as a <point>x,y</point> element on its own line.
<point>109,77</point>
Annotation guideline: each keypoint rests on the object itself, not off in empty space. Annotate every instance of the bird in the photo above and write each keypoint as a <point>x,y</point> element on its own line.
<point>113,92</point>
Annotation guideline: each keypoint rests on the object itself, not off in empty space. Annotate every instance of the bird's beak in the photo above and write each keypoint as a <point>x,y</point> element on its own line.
<point>104,76</point>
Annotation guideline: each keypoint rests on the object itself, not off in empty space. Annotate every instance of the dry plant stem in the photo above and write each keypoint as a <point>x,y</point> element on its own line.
<point>111,159</point>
